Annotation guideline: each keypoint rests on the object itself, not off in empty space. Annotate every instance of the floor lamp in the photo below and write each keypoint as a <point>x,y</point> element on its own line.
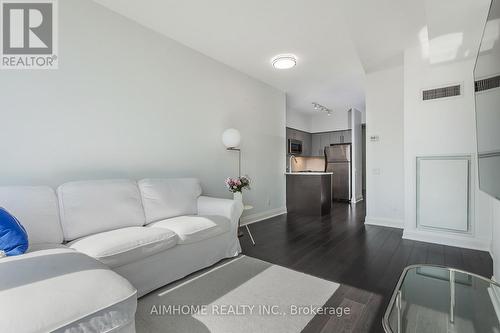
<point>232,139</point>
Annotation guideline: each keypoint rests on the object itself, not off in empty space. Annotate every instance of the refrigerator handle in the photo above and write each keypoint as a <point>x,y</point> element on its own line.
<point>326,160</point>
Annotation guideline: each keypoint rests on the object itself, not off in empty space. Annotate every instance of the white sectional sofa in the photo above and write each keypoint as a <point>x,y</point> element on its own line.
<point>98,245</point>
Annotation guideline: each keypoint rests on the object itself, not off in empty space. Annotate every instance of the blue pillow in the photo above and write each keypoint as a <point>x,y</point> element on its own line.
<point>13,236</point>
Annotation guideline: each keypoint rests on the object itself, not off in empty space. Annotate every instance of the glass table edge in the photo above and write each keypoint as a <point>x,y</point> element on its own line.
<point>385,319</point>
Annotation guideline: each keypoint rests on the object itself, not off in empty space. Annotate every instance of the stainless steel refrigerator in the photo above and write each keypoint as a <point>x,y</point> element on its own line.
<point>338,160</point>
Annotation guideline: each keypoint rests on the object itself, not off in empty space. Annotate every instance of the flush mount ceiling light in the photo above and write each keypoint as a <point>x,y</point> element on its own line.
<point>284,61</point>
<point>322,108</point>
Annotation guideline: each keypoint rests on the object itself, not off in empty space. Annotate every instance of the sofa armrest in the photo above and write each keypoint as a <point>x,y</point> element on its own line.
<point>228,208</point>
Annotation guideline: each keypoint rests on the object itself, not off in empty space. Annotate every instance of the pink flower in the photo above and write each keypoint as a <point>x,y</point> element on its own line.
<point>237,184</point>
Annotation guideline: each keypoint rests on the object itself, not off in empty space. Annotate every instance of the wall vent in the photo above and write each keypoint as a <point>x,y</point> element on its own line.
<point>444,92</point>
<point>486,84</point>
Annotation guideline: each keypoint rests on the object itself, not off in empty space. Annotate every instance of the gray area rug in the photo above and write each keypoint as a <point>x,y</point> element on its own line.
<point>240,295</point>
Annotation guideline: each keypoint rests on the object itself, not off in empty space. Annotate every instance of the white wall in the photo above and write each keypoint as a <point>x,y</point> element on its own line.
<point>440,127</point>
<point>357,156</point>
<point>320,122</point>
<point>338,120</point>
<point>298,120</point>
<point>384,158</point>
<point>127,102</point>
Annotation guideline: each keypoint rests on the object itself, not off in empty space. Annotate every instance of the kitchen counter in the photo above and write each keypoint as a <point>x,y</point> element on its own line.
<point>309,193</point>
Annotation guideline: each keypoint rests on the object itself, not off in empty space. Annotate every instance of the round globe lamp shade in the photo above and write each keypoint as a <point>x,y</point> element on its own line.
<point>231,138</point>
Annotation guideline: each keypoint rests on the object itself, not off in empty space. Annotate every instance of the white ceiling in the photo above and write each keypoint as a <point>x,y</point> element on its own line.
<point>336,41</point>
<point>383,29</point>
<point>247,34</point>
<point>458,37</point>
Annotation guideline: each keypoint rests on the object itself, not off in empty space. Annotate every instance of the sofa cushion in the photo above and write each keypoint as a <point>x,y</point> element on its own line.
<point>37,210</point>
<point>65,291</point>
<point>166,198</point>
<point>192,229</point>
<point>89,207</point>
<point>122,246</point>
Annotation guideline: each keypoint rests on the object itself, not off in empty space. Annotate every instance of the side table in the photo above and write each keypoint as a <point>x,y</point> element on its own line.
<point>240,234</point>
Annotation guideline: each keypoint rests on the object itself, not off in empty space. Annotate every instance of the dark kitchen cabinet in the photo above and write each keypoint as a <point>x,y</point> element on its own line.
<point>302,136</point>
<point>314,144</point>
<point>306,144</point>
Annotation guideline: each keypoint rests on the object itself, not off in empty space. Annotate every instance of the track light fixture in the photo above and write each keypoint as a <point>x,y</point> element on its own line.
<point>322,108</point>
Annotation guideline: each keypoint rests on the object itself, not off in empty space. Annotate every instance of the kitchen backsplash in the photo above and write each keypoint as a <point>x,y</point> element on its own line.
<point>309,163</point>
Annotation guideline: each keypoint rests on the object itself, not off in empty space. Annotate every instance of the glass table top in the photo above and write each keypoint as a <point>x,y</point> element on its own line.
<point>441,299</point>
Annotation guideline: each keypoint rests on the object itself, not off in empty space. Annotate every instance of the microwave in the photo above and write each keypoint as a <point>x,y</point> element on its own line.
<point>294,147</point>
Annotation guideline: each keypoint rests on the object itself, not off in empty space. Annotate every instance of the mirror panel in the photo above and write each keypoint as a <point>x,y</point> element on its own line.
<point>487,93</point>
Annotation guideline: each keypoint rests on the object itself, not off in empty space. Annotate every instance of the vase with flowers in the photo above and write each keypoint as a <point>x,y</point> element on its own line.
<point>237,185</point>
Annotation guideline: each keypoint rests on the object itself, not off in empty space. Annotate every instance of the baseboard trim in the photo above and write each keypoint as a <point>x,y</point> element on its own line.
<point>446,239</point>
<point>384,222</point>
<point>257,217</point>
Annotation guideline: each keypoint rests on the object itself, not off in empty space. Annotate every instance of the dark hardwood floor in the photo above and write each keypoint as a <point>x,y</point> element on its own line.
<point>366,260</point>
